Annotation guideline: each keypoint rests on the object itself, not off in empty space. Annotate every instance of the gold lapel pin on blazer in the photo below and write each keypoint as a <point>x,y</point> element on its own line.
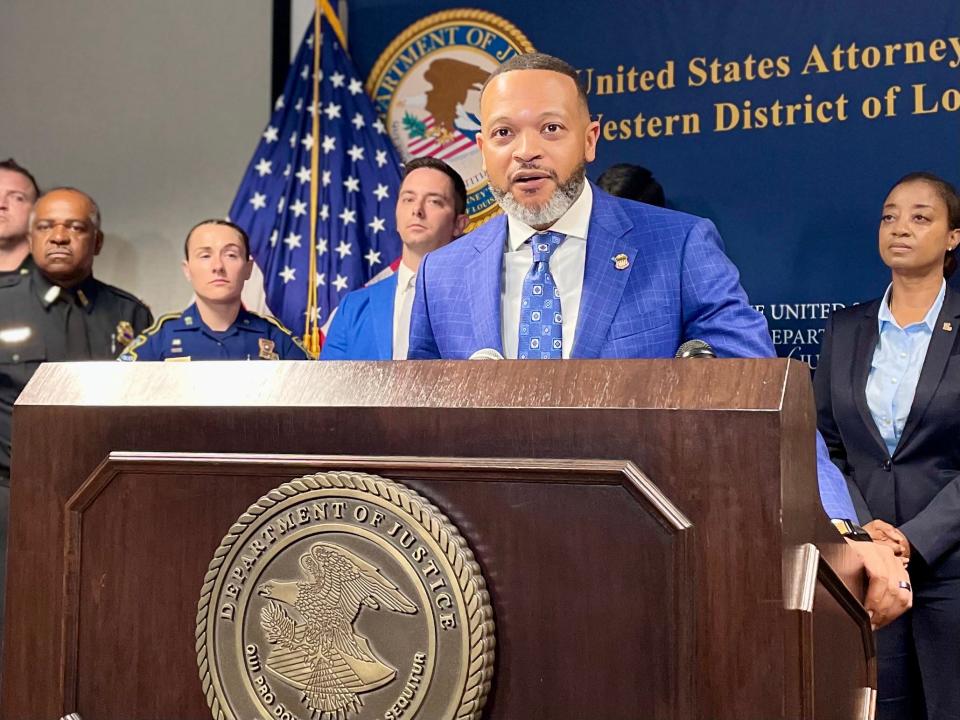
<point>621,262</point>
<point>948,327</point>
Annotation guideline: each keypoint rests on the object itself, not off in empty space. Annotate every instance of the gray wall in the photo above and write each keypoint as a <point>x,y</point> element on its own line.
<point>154,108</point>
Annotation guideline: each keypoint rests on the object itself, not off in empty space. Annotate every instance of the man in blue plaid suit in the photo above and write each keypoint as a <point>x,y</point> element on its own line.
<point>570,271</point>
<point>631,280</point>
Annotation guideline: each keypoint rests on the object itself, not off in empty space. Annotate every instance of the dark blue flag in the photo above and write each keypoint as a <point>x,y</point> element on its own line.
<point>332,161</point>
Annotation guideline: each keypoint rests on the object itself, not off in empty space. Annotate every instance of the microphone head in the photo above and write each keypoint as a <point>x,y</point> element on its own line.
<point>486,354</point>
<point>695,349</point>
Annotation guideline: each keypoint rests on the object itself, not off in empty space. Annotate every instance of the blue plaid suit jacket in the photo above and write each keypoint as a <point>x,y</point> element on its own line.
<point>679,286</point>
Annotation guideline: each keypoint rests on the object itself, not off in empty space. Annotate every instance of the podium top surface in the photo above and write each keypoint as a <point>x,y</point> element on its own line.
<point>758,384</point>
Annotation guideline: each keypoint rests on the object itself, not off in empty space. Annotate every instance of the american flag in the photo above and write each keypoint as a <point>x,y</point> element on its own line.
<point>334,156</point>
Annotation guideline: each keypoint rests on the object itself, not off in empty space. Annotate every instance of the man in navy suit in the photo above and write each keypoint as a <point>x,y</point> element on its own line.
<point>571,272</point>
<point>373,323</point>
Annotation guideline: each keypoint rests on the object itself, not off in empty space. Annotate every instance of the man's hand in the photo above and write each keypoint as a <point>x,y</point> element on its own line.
<point>886,534</point>
<point>888,593</point>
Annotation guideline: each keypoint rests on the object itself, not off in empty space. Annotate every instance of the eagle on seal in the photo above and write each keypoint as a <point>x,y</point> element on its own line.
<point>322,655</point>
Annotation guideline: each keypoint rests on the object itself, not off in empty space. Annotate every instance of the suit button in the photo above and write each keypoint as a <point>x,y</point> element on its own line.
<point>886,465</point>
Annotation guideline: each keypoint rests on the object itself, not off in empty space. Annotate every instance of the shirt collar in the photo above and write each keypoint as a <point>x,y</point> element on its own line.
<point>49,292</point>
<point>573,223</point>
<point>885,315</point>
<point>404,276</point>
<point>190,320</point>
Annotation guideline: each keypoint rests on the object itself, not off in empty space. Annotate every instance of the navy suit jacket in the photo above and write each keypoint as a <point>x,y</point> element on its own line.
<point>679,285</point>
<point>362,328</point>
<point>918,488</point>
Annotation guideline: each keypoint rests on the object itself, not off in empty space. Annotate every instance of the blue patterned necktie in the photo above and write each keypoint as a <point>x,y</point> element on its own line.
<point>541,322</point>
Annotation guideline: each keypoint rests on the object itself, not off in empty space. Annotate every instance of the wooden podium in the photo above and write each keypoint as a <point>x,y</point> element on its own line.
<point>650,531</point>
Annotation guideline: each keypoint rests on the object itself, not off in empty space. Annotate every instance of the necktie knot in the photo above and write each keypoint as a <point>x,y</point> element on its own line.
<point>543,245</point>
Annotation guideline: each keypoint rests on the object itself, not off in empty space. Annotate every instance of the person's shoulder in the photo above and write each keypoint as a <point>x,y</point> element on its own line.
<point>855,313</point>
<point>141,347</point>
<point>465,247</point>
<point>272,328</point>
<point>120,296</point>
<point>643,216</point>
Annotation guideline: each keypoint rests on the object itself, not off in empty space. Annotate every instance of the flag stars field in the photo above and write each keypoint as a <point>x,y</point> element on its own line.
<point>354,181</point>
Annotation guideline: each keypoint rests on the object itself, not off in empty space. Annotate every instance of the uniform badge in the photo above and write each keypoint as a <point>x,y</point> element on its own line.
<point>266,350</point>
<point>353,598</point>
<point>124,333</point>
<point>621,262</point>
<point>82,297</point>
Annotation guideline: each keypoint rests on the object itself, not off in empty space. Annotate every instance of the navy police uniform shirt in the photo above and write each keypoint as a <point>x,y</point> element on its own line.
<point>184,336</point>
<point>43,322</point>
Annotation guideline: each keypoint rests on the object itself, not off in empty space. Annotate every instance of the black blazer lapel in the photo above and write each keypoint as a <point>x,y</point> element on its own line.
<point>868,333</point>
<point>944,337</point>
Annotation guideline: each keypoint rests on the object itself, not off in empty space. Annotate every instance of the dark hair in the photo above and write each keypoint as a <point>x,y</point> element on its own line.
<point>540,61</point>
<point>632,182</point>
<point>13,166</point>
<point>216,221</point>
<point>947,193</point>
<point>459,188</point>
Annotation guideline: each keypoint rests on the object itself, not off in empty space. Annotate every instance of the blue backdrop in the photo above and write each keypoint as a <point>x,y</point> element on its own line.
<point>798,206</point>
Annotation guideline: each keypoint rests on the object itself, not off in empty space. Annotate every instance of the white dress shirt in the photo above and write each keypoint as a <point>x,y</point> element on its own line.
<point>402,308</point>
<point>566,266</point>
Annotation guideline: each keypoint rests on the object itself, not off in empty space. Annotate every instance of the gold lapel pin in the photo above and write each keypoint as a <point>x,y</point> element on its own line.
<point>948,327</point>
<point>621,262</point>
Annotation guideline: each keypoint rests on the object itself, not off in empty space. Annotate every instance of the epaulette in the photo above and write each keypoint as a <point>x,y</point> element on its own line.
<point>130,351</point>
<point>123,293</point>
<point>280,326</point>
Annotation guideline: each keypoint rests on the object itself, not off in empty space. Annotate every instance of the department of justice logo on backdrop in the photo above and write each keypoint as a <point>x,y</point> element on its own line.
<point>342,596</point>
<point>426,85</point>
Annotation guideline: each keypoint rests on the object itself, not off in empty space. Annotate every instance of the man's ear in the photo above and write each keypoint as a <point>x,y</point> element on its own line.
<point>98,243</point>
<point>460,224</point>
<point>592,136</point>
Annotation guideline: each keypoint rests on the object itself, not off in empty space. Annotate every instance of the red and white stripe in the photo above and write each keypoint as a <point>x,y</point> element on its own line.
<point>428,146</point>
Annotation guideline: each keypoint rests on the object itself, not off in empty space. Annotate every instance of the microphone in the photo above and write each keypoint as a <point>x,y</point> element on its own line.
<point>486,354</point>
<point>695,349</point>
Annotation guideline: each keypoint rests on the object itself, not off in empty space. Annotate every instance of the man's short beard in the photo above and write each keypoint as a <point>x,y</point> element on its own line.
<point>565,194</point>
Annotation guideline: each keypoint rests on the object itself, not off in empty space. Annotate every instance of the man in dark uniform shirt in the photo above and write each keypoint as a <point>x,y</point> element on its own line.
<point>52,308</point>
<point>216,327</point>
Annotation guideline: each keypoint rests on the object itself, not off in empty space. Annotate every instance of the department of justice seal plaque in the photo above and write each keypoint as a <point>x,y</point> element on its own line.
<point>426,85</point>
<point>342,595</point>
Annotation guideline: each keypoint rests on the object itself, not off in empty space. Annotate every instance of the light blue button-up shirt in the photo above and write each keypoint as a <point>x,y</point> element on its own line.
<point>895,370</point>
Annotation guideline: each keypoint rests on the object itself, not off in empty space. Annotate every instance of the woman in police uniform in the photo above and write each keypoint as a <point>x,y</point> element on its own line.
<point>216,326</point>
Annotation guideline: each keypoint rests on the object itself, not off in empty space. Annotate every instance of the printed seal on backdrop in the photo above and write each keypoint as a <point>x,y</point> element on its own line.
<point>343,595</point>
<point>426,85</point>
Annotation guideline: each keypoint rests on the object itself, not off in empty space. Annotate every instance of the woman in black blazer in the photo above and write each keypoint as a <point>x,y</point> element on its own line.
<point>888,406</point>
